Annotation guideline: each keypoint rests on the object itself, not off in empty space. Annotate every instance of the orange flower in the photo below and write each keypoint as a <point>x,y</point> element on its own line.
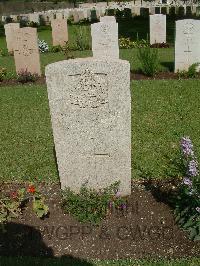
<point>31,189</point>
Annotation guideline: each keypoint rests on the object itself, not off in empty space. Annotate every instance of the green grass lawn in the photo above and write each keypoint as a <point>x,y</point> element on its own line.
<point>162,112</point>
<point>23,261</point>
<point>166,58</point>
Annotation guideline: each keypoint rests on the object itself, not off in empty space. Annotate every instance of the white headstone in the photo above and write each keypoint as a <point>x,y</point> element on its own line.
<point>90,108</point>
<point>26,51</point>
<point>34,18</point>
<point>157,28</point>
<point>187,43</point>
<point>105,40</point>
<point>10,30</point>
<point>59,32</point>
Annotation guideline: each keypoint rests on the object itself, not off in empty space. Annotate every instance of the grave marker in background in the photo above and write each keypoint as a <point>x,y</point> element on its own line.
<point>157,28</point>
<point>26,52</point>
<point>187,43</point>
<point>59,32</point>
<point>105,40</point>
<point>10,30</point>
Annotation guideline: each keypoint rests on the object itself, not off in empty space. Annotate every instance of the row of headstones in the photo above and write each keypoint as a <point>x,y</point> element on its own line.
<point>90,107</point>
<point>24,42</point>
<point>187,40</point>
<point>85,13</point>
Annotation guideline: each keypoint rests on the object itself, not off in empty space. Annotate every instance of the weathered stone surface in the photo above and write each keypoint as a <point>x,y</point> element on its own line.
<point>157,28</point>
<point>59,31</point>
<point>90,109</point>
<point>10,30</point>
<point>26,52</point>
<point>75,16</point>
<point>59,15</point>
<point>105,40</point>
<point>187,43</point>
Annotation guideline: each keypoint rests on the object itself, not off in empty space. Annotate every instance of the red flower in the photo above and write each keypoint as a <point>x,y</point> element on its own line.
<point>14,194</point>
<point>31,189</point>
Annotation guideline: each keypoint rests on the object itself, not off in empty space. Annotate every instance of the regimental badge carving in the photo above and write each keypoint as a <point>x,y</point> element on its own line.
<point>188,28</point>
<point>91,90</point>
<point>105,28</point>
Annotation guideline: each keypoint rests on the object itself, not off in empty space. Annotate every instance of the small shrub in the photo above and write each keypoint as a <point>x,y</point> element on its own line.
<point>23,23</point>
<point>67,51</point>
<point>126,43</point>
<point>157,10</point>
<point>2,30</point>
<point>187,205</point>
<point>191,73</point>
<point>3,72</point>
<point>56,49</point>
<point>148,58</point>
<point>43,46</point>
<point>93,15</point>
<point>33,24</point>
<point>181,11</point>
<point>82,41</point>
<point>70,20</point>
<point>9,20</point>
<point>24,76</point>
<point>90,205</point>
<point>192,70</point>
<point>110,12</point>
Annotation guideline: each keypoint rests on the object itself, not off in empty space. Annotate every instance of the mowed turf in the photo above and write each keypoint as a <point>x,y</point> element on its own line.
<point>166,58</point>
<point>162,112</point>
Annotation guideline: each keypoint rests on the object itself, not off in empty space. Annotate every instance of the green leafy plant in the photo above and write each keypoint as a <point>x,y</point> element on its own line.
<point>126,43</point>
<point>11,205</point>
<point>3,72</point>
<point>56,49</point>
<point>25,76</point>
<point>82,41</point>
<point>190,73</point>
<point>192,70</point>
<point>67,51</point>
<point>91,205</point>
<point>187,205</point>
<point>149,60</point>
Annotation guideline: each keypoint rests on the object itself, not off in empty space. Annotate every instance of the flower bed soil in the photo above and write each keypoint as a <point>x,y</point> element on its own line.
<point>146,229</point>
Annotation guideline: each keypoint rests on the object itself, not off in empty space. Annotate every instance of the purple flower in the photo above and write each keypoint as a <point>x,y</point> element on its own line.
<point>198,209</point>
<point>123,206</point>
<point>110,204</point>
<point>187,181</point>
<point>117,194</point>
<point>193,168</point>
<point>187,146</point>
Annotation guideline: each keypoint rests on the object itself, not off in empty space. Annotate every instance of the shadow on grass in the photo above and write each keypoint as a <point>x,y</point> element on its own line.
<point>166,190</point>
<point>168,65</point>
<point>18,241</point>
